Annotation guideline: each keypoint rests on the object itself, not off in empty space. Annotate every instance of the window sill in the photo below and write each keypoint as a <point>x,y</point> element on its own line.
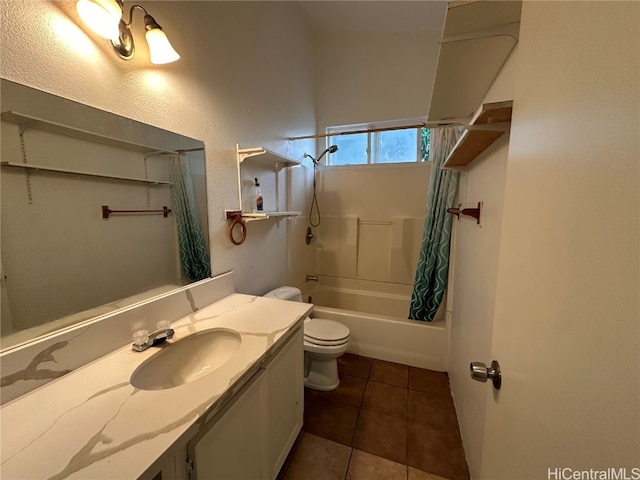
<point>379,165</point>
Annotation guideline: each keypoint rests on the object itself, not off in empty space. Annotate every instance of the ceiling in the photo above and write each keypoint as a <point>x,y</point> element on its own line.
<point>380,16</point>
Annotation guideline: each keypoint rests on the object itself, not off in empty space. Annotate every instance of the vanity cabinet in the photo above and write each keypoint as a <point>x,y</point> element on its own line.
<point>284,399</point>
<point>253,433</point>
<point>233,444</point>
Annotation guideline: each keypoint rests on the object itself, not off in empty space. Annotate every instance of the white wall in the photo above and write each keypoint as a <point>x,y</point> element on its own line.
<point>557,258</point>
<point>374,76</point>
<point>365,76</point>
<point>566,326</point>
<point>245,76</point>
<point>474,276</point>
<point>372,221</point>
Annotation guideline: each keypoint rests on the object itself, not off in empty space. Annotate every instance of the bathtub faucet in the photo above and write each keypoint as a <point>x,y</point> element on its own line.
<point>312,278</point>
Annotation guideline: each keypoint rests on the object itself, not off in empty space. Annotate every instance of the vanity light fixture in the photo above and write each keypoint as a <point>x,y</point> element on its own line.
<point>105,18</point>
<point>102,16</point>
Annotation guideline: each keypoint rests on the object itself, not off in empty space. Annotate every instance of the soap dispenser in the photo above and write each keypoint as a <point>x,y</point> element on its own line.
<point>258,205</point>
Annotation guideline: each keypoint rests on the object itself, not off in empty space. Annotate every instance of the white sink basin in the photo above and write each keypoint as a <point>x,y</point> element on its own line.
<point>187,359</point>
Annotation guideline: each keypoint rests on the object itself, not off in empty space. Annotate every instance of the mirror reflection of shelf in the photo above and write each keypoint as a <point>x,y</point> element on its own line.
<point>491,121</point>
<point>43,168</point>
<point>29,121</point>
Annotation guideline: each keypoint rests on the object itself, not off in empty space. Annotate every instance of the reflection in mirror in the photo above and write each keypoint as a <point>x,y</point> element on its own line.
<point>63,263</point>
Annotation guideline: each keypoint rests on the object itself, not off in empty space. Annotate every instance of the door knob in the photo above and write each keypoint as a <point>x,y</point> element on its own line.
<point>481,373</point>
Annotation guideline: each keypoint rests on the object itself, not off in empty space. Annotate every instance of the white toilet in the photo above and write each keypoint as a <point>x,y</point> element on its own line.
<point>324,342</point>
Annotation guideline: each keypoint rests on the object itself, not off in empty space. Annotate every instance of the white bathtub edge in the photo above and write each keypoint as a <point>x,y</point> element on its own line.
<point>400,341</point>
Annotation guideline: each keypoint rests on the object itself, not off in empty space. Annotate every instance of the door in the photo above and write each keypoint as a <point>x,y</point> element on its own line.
<point>566,326</point>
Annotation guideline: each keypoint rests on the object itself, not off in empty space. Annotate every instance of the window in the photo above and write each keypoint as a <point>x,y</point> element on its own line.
<point>396,145</point>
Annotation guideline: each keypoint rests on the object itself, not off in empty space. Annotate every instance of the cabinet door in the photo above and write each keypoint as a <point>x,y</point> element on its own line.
<point>232,447</point>
<point>284,401</point>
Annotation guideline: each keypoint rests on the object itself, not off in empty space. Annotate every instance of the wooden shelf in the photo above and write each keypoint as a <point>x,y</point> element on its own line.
<point>29,121</point>
<point>492,113</point>
<point>489,123</point>
<point>44,168</point>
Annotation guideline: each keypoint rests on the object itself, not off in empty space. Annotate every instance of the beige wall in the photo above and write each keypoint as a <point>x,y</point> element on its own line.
<point>366,77</point>
<point>245,76</point>
<point>558,259</point>
<point>566,317</point>
<point>474,276</point>
<point>372,221</point>
<point>373,216</point>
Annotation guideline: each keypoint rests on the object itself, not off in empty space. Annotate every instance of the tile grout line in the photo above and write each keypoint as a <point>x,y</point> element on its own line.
<point>346,472</point>
<point>406,432</point>
<point>408,390</point>
<point>353,434</point>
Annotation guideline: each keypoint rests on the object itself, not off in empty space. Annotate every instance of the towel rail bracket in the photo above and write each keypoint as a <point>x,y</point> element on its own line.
<point>471,212</point>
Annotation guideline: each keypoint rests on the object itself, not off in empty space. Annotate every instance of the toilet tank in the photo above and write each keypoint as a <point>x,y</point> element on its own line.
<point>286,293</point>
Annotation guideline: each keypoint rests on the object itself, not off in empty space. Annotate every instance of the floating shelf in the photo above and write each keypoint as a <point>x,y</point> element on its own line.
<point>489,123</point>
<point>43,168</point>
<point>248,217</point>
<point>266,215</point>
<point>29,121</point>
<point>493,113</point>
<point>477,39</point>
<point>263,157</point>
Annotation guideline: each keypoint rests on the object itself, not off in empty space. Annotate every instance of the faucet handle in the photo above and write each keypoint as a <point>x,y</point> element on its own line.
<point>140,337</point>
<point>163,325</point>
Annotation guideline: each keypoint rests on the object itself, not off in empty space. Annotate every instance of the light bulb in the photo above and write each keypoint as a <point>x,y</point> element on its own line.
<point>102,16</point>
<point>160,48</point>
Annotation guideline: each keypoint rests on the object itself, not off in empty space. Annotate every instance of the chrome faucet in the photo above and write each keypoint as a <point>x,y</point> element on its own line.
<point>312,278</point>
<point>142,339</point>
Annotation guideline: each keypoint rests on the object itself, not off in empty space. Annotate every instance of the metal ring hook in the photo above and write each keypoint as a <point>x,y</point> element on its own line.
<point>237,220</point>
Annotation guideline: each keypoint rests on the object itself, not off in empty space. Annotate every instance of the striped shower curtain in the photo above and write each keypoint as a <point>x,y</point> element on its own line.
<point>433,265</point>
<point>194,255</point>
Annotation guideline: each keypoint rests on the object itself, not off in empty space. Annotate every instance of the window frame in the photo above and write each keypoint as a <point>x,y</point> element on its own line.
<point>372,149</point>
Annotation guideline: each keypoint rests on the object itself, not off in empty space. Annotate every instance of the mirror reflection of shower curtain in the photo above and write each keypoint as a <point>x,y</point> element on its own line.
<point>194,255</point>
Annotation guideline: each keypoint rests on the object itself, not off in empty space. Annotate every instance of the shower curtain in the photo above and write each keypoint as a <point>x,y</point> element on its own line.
<point>433,264</point>
<point>194,255</point>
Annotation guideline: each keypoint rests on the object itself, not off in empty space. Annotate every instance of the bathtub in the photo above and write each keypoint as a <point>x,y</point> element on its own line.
<point>376,314</point>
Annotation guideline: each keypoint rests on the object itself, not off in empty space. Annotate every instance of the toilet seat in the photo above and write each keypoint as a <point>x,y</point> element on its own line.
<point>322,332</point>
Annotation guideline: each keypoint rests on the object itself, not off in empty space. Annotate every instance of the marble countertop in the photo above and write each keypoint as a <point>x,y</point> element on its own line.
<point>92,423</point>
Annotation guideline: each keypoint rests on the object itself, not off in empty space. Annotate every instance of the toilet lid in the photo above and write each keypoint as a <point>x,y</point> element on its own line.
<point>325,332</point>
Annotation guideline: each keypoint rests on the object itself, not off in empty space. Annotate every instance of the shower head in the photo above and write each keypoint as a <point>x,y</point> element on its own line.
<point>331,149</point>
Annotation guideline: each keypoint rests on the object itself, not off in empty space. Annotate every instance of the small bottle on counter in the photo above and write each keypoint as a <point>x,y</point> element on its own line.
<point>258,197</point>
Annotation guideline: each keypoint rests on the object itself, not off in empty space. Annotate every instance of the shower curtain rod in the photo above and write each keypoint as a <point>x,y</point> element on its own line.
<point>369,130</point>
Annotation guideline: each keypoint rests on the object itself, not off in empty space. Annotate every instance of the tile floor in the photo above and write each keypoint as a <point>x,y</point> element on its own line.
<point>385,421</point>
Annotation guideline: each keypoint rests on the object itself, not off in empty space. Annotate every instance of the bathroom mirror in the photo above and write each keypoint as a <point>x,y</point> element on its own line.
<point>96,211</point>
